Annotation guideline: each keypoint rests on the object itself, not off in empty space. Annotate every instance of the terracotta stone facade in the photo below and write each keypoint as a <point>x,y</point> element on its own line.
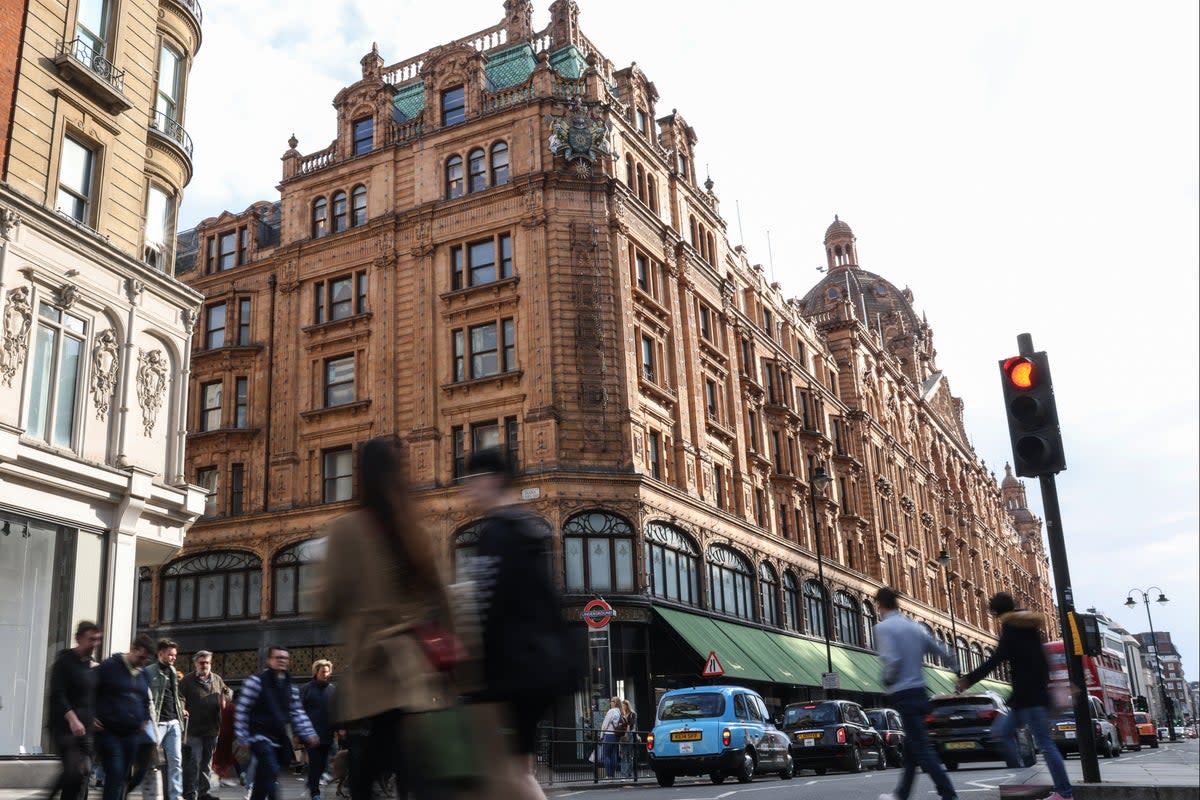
<point>506,244</point>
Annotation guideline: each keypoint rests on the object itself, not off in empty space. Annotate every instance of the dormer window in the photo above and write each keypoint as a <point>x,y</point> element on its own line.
<point>643,122</point>
<point>364,135</point>
<point>454,106</point>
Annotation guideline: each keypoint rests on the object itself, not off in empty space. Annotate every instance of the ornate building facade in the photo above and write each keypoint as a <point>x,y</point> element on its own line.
<point>507,245</point>
<point>95,328</point>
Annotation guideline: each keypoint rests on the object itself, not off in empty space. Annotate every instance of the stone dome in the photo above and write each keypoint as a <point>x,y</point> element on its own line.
<point>869,294</point>
<point>1010,481</point>
<point>838,229</point>
<point>1022,515</point>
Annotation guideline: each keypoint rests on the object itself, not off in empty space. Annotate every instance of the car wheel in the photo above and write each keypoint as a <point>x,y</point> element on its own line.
<point>665,779</point>
<point>950,765</point>
<point>1154,743</point>
<point>896,757</point>
<point>880,759</point>
<point>745,773</point>
<point>854,761</point>
<point>717,777</point>
<point>789,771</point>
<point>820,770</point>
<point>1117,749</point>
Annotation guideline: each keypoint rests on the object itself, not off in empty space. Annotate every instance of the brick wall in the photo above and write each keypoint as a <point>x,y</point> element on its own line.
<point>12,15</point>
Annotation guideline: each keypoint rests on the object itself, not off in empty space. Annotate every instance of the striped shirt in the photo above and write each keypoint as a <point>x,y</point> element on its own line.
<point>248,696</point>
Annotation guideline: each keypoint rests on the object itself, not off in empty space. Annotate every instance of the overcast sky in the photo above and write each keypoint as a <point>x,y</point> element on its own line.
<point>1020,166</point>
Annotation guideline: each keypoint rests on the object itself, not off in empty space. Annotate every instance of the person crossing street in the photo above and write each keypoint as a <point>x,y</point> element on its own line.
<point>204,696</point>
<point>265,706</point>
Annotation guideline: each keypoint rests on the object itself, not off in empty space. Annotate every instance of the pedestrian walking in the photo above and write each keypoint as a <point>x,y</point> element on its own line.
<point>265,706</point>
<point>73,710</point>
<point>631,739</point>
<point>382,589</point>
<point>903,645</point>
<point>1021,646</point>
<point>169,714</point>
<point>124,733</point>
<point>205,696</point>
<point>317,698</point>
<point>609,735</point>
<point>527,657</point>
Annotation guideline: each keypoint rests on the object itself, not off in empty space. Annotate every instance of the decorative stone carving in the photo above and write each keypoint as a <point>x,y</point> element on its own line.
<point>907,504</point>
<point>289,281</point>
<point>66,295</point>
<point>134,289</point>
<point>9,221</point>
<point>104,372</point>
<point>926,520</point>
<point>18,316</point>
<point>884,486</point>
<point>580,135</point>
<point>189,317</point>
<point>152,374</point>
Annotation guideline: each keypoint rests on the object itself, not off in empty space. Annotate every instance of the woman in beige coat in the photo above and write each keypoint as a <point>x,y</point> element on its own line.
<point>381,580</point>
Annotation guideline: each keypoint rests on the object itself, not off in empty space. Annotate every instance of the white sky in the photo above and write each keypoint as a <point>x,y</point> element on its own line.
<point>1021,166</point>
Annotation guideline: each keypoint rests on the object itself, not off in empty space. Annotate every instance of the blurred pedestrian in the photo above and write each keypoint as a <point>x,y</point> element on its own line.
<point>317,698</point>
<point>205,696</point>
<point>630,741</point>
<point>609,736</point>
<point>73,709</point>
<point>1021,646</point>
<point>266,705</point>
<point>903,645</point>
<point>169,713</point>
<point>381,587</point>
<point>527,657</point>
<point>123,723</point>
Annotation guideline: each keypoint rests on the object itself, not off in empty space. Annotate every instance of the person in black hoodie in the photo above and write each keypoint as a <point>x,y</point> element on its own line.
<point>122,711</point>
<point>526,652</point>
<point>1021,646</point>
<point>73,709</point>
<point>317,698</point>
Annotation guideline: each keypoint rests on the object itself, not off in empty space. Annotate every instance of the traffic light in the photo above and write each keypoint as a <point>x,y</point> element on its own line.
<point>1090,641</point>
<point>1140,704</point>
<point>1032,416</point>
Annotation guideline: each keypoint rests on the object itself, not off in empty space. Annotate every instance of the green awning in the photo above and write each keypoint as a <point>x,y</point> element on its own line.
<point>999,687</point>
<point>703,635</point>
<point>857,671</point>
<point>807,655</point>
<point>939,681</point>
<point>778,662</point>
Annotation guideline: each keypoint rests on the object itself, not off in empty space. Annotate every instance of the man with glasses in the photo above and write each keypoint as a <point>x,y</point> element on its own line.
<point>267,703</point>
<point>205,695</point>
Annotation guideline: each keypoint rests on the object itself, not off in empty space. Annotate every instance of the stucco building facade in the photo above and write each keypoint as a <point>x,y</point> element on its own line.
<point>95,328</point>
<point>507,244</point>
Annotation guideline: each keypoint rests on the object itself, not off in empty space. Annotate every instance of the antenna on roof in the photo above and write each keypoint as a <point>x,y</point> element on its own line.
<point>771,256</point>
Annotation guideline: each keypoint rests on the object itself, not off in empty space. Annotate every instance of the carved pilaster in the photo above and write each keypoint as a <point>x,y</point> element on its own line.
<point>18,316</point>
<point>152,378</point>
<point>104,372</point>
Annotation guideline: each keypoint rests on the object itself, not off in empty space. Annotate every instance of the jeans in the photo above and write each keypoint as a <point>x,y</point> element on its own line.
<point>1039,725</point>
<point>608,753</point>
<point>913,705</point>
<point>170,739</point>
<point>197,765</point>
<point>118,755</point>
<point>318,758</point>
<point>266,770</point>
<point>76,753</point>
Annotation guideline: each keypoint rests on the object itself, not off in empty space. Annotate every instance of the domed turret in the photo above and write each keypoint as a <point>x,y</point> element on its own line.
<point>1010,481</point>
<point>840,248</point>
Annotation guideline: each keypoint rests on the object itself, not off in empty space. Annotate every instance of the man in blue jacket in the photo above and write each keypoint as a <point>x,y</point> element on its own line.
<point>265,706</point>
<point>122,714</point>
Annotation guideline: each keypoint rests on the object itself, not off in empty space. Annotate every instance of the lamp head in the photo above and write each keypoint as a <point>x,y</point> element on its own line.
<point>1129,601</point>
<point>1162,599</point>
<point>821,480</point>
<point>944,557</point>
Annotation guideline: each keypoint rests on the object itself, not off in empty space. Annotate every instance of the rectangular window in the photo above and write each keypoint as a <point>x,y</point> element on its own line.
<point>458,451</point>
<point>511,443</point>
<point>243,256</point>
<point>237,489</point>
<point>92,26</point>
<point>227,251</point>
<point>57,362</point>
<point>210,255</point>
<point>340,298</point>
<point>243,336</point>
<point>159,227</point>
<point>509,334</point>
<point>484,351</point>
<point>166,106</point>
<point>710,398</point>
<point>360,292</point>
<point>747,358</point>
<point>653,446</point>
<point>768,371</point>
<point>753,422</point>
<point>364,135</point>
<point>206,478</point>
<point>783,521</point>
<point>475,263</point>
<point>759,510</point>
<point>768,323</point>
<point>643,122</point>
<point>454,106</point>
<point>642,271</point>
<point>337,472</point>
<point>719,484</point>
<point>459,356</point>
<point>339,381</point>
<point>777,450</point>
<point>706,325</point>
<point>210,406</point>
<point>485,436</point>
<point>214,326</point>
<point>648,371</point>
<point>241,400</point>
<point>492,349</point>
<point>76,180</point>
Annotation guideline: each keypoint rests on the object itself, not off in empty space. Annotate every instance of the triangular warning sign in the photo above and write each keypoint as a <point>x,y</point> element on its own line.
<point>712,667</point>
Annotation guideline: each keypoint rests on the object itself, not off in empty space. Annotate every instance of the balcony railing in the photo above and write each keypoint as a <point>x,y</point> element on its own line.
<point>171,129</point>
<point>193,8</point>
<point>81,52</point>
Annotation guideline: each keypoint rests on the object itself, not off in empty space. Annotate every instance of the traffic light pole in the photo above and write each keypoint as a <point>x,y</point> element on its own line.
<point>1066,606</point>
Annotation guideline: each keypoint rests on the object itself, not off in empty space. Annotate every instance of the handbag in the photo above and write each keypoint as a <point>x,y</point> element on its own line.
<point>446,742</point>
<point>442,648</point>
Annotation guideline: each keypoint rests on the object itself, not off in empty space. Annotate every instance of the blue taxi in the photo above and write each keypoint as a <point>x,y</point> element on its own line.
<point>719,731</point>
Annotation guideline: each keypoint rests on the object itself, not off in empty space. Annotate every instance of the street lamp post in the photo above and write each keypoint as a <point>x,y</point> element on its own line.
<point>820,481</point>
<point>944,559</point>
<point>1162,683</point>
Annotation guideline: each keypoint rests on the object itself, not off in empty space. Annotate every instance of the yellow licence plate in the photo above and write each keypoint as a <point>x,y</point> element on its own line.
<point>1066,727</point>
<point>814,735</point>
<point>686,736</point>
<point>960,745</point>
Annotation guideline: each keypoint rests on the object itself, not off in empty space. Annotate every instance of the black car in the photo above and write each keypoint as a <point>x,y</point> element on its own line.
<point>886,722</point>
<point>960,727</point>
<point>834,734</point>
<point>1063,730</point>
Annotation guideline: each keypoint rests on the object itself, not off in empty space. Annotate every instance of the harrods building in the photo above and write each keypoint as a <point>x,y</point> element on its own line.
<point>506,244</point>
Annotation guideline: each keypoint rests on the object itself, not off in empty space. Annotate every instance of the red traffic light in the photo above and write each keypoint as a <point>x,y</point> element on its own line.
<point>1020,372</point>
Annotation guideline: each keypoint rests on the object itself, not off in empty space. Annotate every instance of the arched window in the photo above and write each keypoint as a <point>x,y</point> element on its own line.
<point>791,603</point>
<point>729,582</point>
<point>340,217</point>
<point>652,193</point>
<point>962,653</point>
<point>220,585</point>
<point>598,548</point>
<point>499,164</point>
<point>869,620</point>
<point>929,659</point>
<point>672,564</point>
<point>454,177</point>
<point>465,543</point>
<point>768,585</point>
<point>294,576</point>
<point>145,592</point>
<point>694,232</point>
<point>629,181</point>
<point>358,206</point>
<point>712,249</point>
<point>845,615</point>
<point>814,607</point>
<point>476,171</point>
<point>976,655</point>
<point>320,218</point>
<point>641,183</point>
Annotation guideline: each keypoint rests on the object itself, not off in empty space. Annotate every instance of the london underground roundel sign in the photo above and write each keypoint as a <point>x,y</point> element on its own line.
<point>597,613</point>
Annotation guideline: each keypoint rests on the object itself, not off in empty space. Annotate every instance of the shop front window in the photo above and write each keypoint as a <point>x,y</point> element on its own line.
<point>598,548</point>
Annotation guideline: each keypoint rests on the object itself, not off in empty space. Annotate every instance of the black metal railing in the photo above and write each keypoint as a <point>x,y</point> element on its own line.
<point>94,62</point>
<point>577,755</point>
<point>193,8</point>
<point>168,127</point>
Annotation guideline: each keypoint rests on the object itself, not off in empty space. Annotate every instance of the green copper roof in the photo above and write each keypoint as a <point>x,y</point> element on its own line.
<point>409,101</point>
<point>568,62</point>
<point>510,67</point>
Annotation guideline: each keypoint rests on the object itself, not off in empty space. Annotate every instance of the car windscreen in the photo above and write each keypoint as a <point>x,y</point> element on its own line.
<point>878,720</point>
<point>692,706</point>
<point>804,716</point>
<point>945,706</point>
<point>1141,719</point>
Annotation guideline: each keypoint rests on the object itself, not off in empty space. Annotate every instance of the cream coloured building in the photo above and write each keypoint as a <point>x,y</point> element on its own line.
<point>94,328</point>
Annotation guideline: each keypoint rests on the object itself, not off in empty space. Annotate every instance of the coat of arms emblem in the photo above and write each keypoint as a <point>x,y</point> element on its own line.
<point>580,135</point>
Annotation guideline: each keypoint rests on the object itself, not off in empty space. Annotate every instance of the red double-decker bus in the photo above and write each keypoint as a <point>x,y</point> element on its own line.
<point>1106,681</point>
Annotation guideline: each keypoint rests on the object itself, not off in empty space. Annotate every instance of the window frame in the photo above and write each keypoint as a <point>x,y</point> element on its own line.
<point>500,173</point>
<point>214,336</point>
<point>669,549</point>
<point>339,208</point>
<point>241,402</point>
<point>465,273</point>
<point>847,619</point>
<point>323,298</point>
<point>82,198</point>
<point>243,322</point>
<point>224,563</point>
<point>455,174</point>
<point>320,217</point>
<point>291,561</point>
<point>477,170</point>
<point>358,203</point>
<point>814,602</point>
<point>591,527</point>
<point>48,417</point>
<point>332,387</point>
<point>768,585</point>
<point>793,616</point>
<point>721,560</point>
<point>453,105</point>
<point>362,143</point>
<point>207,409</point>
<point>464,355</point>
<point>329,481</point>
